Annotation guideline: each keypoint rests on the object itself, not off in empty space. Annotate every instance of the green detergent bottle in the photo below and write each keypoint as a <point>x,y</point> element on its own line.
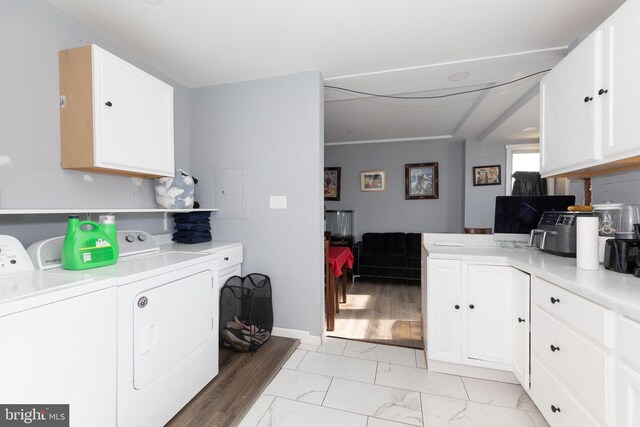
<point>87,245</point>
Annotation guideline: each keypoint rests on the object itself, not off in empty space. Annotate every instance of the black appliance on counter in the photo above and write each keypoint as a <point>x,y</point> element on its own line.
<point>621,255</point>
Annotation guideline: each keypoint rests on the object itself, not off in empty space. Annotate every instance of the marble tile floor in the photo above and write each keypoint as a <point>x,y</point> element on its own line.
<point>351,384</point>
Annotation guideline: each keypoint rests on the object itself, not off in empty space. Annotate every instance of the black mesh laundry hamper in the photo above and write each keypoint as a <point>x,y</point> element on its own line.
<point>246,312</point>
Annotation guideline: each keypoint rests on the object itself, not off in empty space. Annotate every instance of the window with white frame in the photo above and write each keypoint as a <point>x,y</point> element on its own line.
<point>521,158</point>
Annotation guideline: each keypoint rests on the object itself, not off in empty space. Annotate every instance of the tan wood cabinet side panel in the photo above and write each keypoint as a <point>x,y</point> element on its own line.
<point>76,118</point>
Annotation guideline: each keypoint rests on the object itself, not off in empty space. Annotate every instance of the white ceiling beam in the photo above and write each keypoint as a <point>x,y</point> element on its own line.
<point>381,141</point>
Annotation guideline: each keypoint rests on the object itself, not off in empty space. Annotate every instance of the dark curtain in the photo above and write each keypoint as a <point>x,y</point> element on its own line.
<point>529,184</point>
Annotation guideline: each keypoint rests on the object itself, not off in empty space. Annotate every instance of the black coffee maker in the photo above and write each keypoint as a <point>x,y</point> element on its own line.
<point>622,254</point>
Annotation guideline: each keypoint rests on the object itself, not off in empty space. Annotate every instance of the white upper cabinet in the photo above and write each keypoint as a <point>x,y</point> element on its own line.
<point>620,93</point>
<point>115,117</point>
<point>590,102</point>
<point>568,127</point>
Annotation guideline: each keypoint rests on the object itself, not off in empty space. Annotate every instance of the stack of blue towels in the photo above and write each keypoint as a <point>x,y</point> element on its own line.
<point>192,227</point>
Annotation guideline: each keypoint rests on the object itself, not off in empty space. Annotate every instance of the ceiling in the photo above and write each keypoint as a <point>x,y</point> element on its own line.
<point>391,47</point>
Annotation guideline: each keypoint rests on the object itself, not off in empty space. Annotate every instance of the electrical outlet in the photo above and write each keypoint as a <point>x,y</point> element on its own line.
<point>278,202</point>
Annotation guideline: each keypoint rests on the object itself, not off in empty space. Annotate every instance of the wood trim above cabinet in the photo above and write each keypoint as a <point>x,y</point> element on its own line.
<point>609,168</point>
<point>76,116</point>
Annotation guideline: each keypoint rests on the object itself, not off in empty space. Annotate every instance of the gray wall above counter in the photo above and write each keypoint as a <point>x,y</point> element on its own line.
<point>272,129</point>
<point>31,35</point>
<point>388,210</point>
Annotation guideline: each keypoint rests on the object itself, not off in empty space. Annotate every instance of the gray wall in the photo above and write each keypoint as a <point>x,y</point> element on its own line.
<point>31,34</point>
<point>621,188</point>
<point>480,200</point>
<point>274,127</point>
<point>388,210</point>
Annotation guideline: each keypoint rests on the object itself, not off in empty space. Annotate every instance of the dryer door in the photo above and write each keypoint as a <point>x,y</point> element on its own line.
<point>170,321</point>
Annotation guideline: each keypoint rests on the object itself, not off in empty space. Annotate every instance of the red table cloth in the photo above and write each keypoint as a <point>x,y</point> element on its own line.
<point>339,256</point>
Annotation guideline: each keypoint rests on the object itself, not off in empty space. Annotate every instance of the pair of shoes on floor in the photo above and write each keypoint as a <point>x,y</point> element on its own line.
<point>233,338</point>
<point>243,337</point>
<point>253,330</point>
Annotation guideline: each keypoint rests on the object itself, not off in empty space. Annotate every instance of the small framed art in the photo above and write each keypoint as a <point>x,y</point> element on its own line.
<point>486,175</point>
<point>332,183</point>
<point>421,181</point>
<point>372,181</point>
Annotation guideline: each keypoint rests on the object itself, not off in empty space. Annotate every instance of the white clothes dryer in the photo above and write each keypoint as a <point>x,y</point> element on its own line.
<point>167,327</point>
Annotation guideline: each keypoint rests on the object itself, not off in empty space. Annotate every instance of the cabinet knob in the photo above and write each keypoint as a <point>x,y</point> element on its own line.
<point>554,300</point>
<point>108,104</point>
<point>555,409</point>
<point>602,91</point>
<point>520,320</point>
<point>554,348</point>
<point>457,307</point>
<point>226,258</point>
<point>471,306</point>
<point>588,98</point>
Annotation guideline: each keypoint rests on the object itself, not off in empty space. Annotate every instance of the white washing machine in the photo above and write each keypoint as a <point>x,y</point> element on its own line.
<point>58,334</point>
<point>167,328</point>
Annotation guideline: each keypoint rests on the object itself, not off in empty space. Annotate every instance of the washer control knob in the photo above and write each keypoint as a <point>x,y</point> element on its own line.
<point>130,238</point>
<point>142,302</point>
<point>142,237</point>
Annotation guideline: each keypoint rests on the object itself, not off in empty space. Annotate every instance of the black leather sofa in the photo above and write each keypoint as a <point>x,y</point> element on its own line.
<point>392,255</point>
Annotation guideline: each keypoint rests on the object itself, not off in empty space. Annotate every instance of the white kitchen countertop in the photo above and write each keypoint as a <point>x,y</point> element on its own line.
<point>617,291</point>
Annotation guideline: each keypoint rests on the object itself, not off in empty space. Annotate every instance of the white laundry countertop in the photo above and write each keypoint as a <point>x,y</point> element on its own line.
<point>617,291</point>
<point>214,246</point>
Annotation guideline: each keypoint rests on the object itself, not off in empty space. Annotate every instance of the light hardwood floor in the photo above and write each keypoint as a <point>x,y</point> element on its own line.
<point>384,311</point>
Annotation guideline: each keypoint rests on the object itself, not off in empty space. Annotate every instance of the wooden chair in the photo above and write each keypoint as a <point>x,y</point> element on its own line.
<point>331,308</point>
<point>472,230</point>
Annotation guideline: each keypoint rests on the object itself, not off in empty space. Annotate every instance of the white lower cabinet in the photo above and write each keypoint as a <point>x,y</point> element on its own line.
<point>572,358</point>
<point>469,313</point>
<point>229,263</point>
<point>487,313</point>
<point>628,372</point>
<point>520,321</point>
<point>628,396</point>
<point>556,403</point>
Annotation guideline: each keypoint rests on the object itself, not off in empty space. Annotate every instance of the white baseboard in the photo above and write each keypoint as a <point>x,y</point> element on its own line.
<point>472,371</point>
<point>303,336</point>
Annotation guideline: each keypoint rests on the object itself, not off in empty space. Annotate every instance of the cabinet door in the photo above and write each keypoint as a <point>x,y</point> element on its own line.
<point>628,396</point>
<point>568,123</point>
<point>63,352</point>
<point>488,314</point>
<point>520,322</point>
<point>133,114</point>
<point>444,310</point>
<point>622,96</point>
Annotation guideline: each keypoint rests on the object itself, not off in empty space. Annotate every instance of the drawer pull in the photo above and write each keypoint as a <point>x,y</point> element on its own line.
<point>588,98</point>
<point>471,306</point>
<point>555,409</point>
<point>554,348</point>
<point>554,300</point>
<point>520,320</point>
<point>457,307</point>
<point>226,258</point>
<point>602,91</point>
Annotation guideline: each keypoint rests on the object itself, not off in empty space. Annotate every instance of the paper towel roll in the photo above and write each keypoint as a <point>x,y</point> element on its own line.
<point>587,243</point>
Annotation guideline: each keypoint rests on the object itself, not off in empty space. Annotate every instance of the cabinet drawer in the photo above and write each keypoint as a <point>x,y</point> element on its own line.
<point>229,257</point>
<point>585,316</point>
<point>629,340</point>
<point>578,362</point>
<point>548,391</point>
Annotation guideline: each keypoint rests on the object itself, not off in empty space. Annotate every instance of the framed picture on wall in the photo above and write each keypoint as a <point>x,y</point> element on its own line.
<point>332,183</point>
<point>421,181</point>
<point>486,175</point>
<point>372,181</point>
